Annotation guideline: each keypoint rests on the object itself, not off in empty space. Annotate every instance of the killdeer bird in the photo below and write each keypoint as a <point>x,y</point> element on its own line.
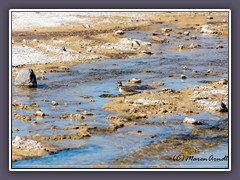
<point>125,90</point>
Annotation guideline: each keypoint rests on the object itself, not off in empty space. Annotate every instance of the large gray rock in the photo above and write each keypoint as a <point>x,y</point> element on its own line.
<point>26,77</point>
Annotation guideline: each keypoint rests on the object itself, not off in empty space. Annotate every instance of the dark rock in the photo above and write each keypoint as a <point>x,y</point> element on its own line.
<point>26,77</point>
<point>223,108</point>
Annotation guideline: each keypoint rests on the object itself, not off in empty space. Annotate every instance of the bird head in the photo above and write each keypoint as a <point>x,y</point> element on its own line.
<point>119,83</point>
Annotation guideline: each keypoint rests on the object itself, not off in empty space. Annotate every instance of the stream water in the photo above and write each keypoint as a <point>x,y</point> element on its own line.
<point>83,79</point>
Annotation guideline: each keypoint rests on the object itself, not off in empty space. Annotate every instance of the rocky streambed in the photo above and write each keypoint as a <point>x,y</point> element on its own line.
<point>76,117</point>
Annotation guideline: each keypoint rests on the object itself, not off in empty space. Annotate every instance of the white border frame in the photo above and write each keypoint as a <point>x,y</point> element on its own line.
<point>116,10</point>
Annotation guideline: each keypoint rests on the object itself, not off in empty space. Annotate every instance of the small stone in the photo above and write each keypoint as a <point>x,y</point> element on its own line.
<point>106,91</point>
<point>34,123</point>
<point>17,139</point>
<point>218,47</point>
<point>209,17</point>
<point>223,108</point>
<point>165,122</point>
<point>63,49</point>
<point>89,49</point>
<point>39,113</point>
<point>166,30</point>
<point>181,47</point>
<point>120,32</point>
<point>142,115</point>
<point>183,77</point>
<point>76,116</point>
<point>16,130</point>
<point>164,110</point>
<point>193,46</point>
<point>134,80</point>
<point>223,81</point>
<point>157,83</point>
<point>79,110</point>
<point>209,71</point>
<point>86,113</point>
<point>188,120</point>
<point>53,128</point>
<point>139,131</point>
<point>193,37</point>
<point>54,103</point>
<point>186,33</point>
<point>27,118</point>
<point>91,100</point>
<point>157,39</point>
<point>65,68</point>
<point>146,52</point>
<point>195,71</point>
<point>185,68</point>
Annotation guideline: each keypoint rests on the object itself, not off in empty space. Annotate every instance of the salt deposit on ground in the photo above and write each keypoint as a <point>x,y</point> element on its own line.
<point>28,55</point>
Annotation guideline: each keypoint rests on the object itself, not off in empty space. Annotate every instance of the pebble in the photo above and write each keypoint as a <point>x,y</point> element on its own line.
<point>186,33</point>
<point>166,30</point>
<point>180,47</point>
<point>209,71</point>
<point>188,120</point>
<point>209,17</point>
<point>134,80</point>
<point>185,68</point>
<point>63,49</point>
<point>142,115</point>
<point>89,49</point>
<point>146,52</point>
<point>193,37</point>
<point>34,123</point>
<point>164,110</point>
<point>218,47</point>
<point>86,113</point>
<point>76,116</point>
<point>157,83</point>
<point>120,32</point>
<point>192,46</point>
<point>16,130</point>
<point>92,100</point>
<point>27,118</point>
<point>79,110</point>
<point>39,113</point>
<point>53,128</point>
<point>54,103</point>
<point>64,68</point>
<point>106,91</point>
<point>223,81</point>
<point>183,77</point>
<point>223,108</point>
